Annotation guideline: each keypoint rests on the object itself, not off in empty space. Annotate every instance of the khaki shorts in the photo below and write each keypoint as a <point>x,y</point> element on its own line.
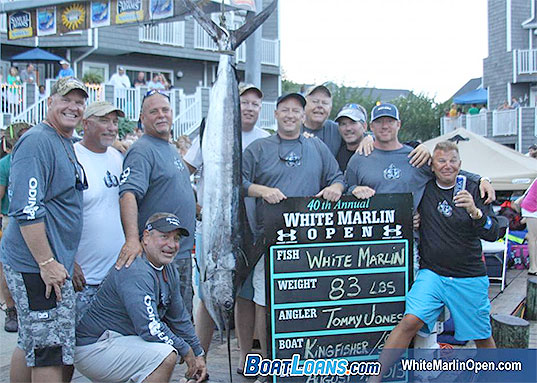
<point>46,327</point>
<point>119,358</point>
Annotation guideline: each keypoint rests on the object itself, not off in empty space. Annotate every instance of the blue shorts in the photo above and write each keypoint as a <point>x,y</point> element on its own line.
<point>466,298</point>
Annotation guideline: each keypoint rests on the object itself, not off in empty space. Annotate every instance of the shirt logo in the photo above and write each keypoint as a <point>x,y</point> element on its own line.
<point>445,208</point>
<point>179,164</point>
<point>110,180</point>
<point>32,207</point>
<point>126,173</point>
<point>392,173</point>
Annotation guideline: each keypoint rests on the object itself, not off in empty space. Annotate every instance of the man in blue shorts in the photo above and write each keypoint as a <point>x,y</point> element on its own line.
<point>452,272</point>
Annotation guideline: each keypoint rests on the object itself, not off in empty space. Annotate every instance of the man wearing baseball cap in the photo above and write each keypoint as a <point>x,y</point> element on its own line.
<point>66,70</point>
<point>138,323</point>
<point>352,125</point>
<point>286,165</point>
<point>102,233</point>
<point>39,245</point>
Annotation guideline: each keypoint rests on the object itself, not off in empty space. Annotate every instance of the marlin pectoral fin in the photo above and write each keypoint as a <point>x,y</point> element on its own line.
<point>205,21</point>
<point>250,26</point>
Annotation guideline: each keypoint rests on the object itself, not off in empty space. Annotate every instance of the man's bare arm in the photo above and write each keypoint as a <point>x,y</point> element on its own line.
<point>129,219</point>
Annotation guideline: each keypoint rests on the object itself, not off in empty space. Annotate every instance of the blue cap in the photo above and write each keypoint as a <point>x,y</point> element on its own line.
<point>384,110</point>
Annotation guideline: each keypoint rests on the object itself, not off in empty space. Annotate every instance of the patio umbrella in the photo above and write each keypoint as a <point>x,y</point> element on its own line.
<point>476,96</point>
<point>36,54</point>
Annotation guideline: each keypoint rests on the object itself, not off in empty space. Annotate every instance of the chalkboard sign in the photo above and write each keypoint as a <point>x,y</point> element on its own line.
<point>337,276</point>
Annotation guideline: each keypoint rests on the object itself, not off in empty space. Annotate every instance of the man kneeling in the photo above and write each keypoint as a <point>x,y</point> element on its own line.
<point>138,323</point>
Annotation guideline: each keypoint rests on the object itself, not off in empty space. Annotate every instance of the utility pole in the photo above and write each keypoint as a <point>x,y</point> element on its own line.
<point>253,50</point>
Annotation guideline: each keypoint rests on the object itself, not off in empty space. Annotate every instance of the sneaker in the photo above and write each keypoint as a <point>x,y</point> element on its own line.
<point>11,320</point>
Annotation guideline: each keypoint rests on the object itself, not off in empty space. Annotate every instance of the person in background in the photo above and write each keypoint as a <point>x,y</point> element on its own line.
<point>140,80</point>
<point>13,77</point>
<point>515,103</point>
<point>532,151</point>
<point>155,83</point>
<point>66,70</point>
<point>453,111</point>
<point>183,143</point>
<point>11,135</point>
<point>42,92</point>
<point>120,79</point>
<point>473,110</point>
<point>29,75</point>
<point>504,106</point>
<point>528,207</point>
<point>483,109</point>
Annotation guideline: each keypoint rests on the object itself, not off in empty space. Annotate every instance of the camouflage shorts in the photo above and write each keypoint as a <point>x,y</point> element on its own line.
<point>46,327</point>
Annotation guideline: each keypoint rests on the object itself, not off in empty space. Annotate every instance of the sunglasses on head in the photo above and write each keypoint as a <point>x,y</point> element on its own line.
<point>153,92</point>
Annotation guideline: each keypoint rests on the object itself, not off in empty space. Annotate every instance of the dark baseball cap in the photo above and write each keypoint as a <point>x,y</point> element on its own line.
<point>385,110</point>
<point>296,96</point>
<point>166,224</point>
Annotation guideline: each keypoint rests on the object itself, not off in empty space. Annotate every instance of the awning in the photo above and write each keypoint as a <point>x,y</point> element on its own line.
<point>36,54</point>
<point>476,96</point>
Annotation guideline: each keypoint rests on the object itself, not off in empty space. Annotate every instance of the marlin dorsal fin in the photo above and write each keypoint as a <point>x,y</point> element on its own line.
<point>250,26</point>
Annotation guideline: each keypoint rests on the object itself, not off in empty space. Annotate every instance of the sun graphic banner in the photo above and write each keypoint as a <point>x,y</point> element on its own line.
<point>129,11</point>
<point>160,9</point>
<point>72,17</point>
<point>20,25</point>
<point>46,21</point>
<point>100,14</point>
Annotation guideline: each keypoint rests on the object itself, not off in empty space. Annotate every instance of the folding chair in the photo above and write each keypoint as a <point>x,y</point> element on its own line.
<point>496,253</point>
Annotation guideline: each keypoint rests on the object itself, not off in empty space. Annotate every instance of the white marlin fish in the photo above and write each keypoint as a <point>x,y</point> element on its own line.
<point>222,223</point>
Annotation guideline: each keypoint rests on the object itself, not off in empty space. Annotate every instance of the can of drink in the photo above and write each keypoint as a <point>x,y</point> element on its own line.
<point>460,184</point>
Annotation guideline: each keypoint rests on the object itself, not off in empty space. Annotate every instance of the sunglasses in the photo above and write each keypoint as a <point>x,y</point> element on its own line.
<point>153,92</point>
<point>81,180</point>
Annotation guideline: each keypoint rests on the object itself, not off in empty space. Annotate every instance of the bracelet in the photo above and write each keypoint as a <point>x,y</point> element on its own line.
<point>46,262</point>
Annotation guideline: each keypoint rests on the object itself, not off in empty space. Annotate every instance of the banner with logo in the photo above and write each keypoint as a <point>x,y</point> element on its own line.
<point>72,17</point>
<point>129,11</point>
<point>160,9</point>
<point>20,25</point>
<point>46,21</point>
<point>337,274</point>
<point>99,14</point>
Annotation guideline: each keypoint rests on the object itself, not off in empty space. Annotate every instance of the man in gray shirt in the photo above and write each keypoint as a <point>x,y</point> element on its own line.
<point>39,245</point>
<point>286,165</point>
<point>155,179</point>
<point>138,323</point>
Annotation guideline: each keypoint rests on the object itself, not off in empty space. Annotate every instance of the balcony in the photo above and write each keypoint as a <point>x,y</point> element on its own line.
<point>163,33</point>
<point>270,49</point>
<point>526,61</point>
<point>504,123</point>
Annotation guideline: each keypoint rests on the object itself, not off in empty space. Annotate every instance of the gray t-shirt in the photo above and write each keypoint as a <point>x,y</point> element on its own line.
<point>389,171</point>
<point>140,300</point>
<point>42,189</point>
<point>329,134</point>
<point>313,168</point>
<point>155,173</point>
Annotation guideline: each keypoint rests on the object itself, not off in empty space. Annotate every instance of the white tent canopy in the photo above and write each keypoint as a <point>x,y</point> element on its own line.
<point>507,168</point>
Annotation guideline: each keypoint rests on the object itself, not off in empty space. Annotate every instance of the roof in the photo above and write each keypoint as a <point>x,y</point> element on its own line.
<point>507,168</point>
<point>472,84</point>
